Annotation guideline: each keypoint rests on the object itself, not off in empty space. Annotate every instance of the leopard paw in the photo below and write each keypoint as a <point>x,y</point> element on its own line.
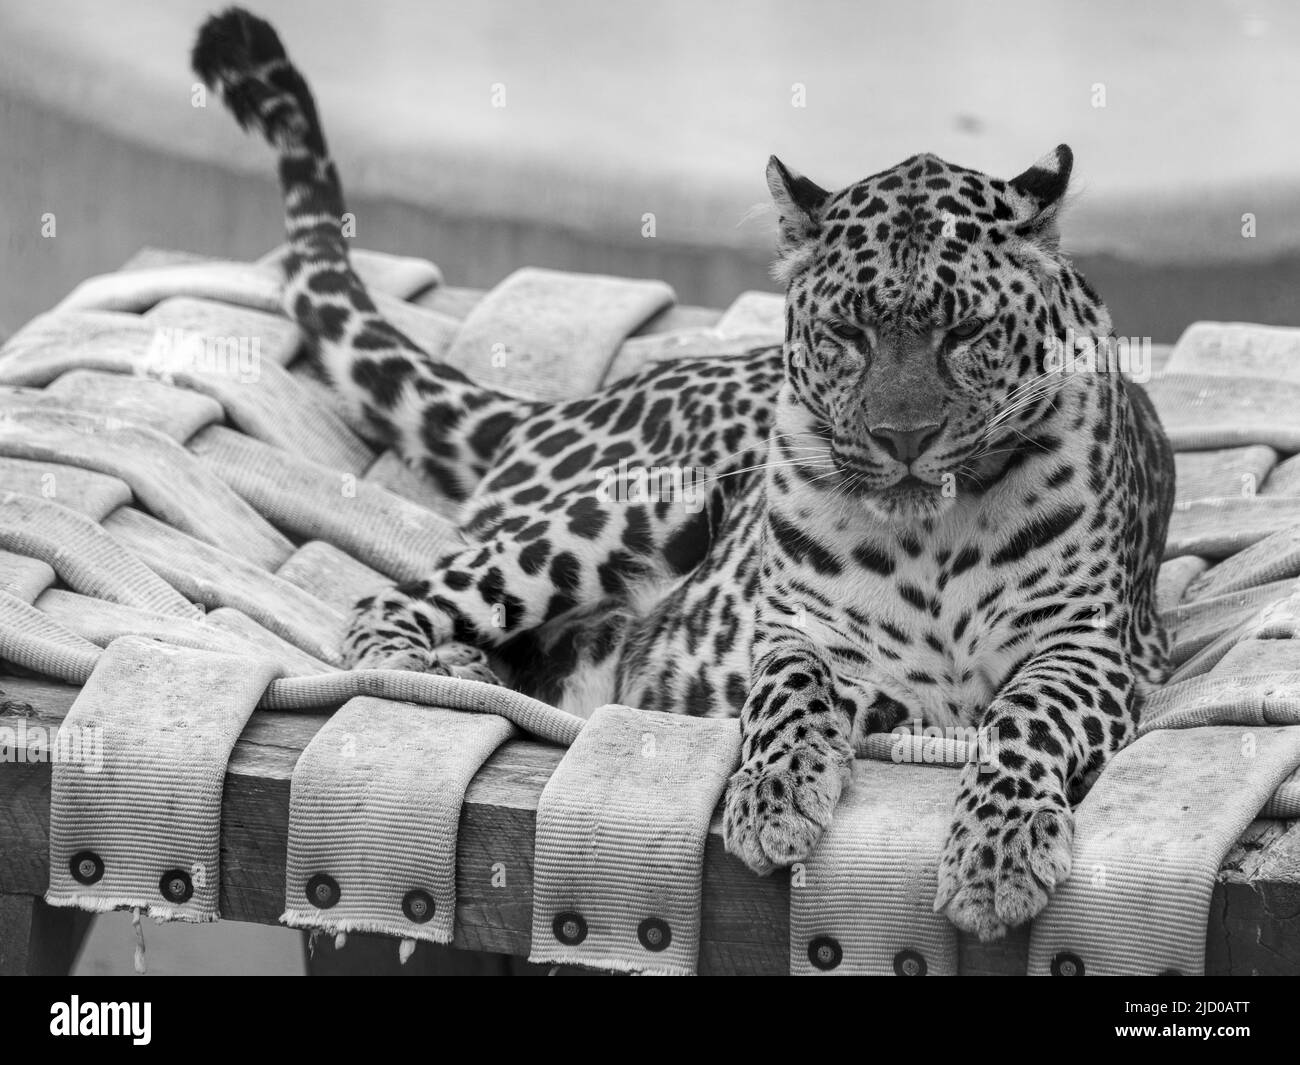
<point>464,661</point>
<point>393,630</point>
<point>998,871</point>
<point>400,630</point>
<point>777,810</point>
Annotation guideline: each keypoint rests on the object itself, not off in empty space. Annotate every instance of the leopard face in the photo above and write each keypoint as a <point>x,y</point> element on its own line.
<point>921,309</point>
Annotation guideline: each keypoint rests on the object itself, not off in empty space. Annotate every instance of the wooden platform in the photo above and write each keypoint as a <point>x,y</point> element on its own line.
<point>1254,924</point>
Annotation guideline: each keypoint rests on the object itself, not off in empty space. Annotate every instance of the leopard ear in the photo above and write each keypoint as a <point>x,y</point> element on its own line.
<point>800,203</point>
<point>1039,193</point>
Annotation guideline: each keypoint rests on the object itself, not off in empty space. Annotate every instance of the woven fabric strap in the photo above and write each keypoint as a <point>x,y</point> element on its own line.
<point>329,690</point>
<point>1254,700</point>
<point>1277,557</point>
<point>308,500</point>
<point>166,478</point>
<point>222,372</point>
<point>84,556</point>
<point>863,903</point>
<point>1203,411</point>
<point>542,334</point>
<point>374,808</point>
<point>24,578</point>
<point>94,494</point>
<point>216,578</point>
<point>619,854</point>
<point>1218,528</point>
<point>1235,349</point>
<point>1227,500</point>
<point>1198,624</point>
<point>1148,842</point>
<point>257,287</point>
<point>140,824</point>
<point>1227,472</point>
<point>30,638</point>
<point>225,629</point>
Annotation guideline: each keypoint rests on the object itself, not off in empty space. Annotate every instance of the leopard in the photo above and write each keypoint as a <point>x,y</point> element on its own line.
<point>912,514</point>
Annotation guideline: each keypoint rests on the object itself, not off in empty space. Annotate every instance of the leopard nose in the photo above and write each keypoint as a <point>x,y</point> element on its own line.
<point>906,445</point>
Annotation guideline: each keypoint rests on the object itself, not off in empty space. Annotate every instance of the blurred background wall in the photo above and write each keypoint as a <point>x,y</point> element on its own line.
<point>1182,114</point>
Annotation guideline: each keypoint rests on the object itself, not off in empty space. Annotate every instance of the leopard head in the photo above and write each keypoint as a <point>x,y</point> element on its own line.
<point>922,306</point>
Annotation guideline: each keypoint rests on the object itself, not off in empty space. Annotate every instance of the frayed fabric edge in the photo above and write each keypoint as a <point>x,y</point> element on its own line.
<point>621,965</point>
<point>311,921</point>
<point>99,904</point>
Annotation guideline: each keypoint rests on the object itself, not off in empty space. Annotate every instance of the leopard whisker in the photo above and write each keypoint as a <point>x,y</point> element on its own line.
<point>760,466</point>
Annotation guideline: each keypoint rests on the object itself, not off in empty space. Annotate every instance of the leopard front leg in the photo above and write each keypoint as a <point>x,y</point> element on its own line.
<point>476,599</point>
<point>799,728</point>
<point>479,597</point>
<point>1051,730</point>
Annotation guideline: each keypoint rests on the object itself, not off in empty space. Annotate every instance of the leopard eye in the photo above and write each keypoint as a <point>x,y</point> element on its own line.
<point>966,330</point>
<point>846,331</point>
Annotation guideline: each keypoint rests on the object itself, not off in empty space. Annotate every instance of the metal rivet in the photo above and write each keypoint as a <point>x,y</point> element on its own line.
<point>176,886</point>
<point>418,905</point>
<point>1067,964</point>
<point>570,928</point>
<point>323,891</point>
<point>909,963</point>
<point>86,868</point>
<point>825,953</point>
<point>654,934</point>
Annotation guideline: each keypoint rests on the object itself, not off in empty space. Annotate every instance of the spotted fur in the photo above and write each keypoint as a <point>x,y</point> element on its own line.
<point>908,516</point>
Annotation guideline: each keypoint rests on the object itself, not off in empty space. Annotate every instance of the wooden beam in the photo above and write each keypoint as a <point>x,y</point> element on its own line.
<point>1254,925</point>
<point>36,939</point>
<point>1255,916</point>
